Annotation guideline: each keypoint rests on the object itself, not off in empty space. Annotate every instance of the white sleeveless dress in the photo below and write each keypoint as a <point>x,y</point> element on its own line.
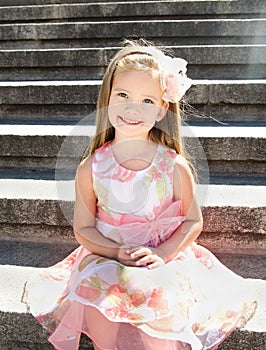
<point>192,302</point>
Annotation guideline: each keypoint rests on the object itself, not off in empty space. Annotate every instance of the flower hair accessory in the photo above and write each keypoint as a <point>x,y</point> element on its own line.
<point>173,79</point>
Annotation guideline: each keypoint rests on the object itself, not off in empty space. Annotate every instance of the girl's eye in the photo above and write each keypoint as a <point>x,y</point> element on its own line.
<point>147,100</point>
<point>122,94</point>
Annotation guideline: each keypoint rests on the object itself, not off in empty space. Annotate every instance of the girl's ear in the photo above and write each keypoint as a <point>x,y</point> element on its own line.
<point>163,111</point>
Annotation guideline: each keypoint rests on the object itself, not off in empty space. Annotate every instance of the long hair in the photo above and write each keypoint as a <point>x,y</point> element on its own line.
<point>140,56</point>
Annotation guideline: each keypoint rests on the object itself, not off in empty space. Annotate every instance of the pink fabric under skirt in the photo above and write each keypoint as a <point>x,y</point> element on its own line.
<point>193,302</point>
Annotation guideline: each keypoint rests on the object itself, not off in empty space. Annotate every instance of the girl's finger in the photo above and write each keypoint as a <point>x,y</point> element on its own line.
<point>148,259</point>
<point>143,251</point>
<point>155,264</point>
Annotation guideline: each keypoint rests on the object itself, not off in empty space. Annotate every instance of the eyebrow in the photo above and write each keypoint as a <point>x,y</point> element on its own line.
<point>146,96</point>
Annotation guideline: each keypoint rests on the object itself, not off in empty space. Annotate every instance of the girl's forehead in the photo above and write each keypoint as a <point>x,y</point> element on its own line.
<point>139,77</point>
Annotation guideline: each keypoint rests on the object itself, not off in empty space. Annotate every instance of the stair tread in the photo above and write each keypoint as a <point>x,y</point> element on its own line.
<point>217,195</point>
<point>89,130</point>
<point>14,277</point>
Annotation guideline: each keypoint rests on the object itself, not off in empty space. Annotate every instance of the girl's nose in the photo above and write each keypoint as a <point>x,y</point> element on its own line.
<point>132,108</point>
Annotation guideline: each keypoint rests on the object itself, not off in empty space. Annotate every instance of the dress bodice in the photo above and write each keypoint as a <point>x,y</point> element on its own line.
<point>135,203</point>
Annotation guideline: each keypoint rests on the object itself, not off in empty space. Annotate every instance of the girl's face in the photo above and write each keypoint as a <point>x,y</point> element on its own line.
<point>135,104</point>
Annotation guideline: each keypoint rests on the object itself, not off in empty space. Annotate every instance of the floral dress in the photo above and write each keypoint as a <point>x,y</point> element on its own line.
<point>192,302</point>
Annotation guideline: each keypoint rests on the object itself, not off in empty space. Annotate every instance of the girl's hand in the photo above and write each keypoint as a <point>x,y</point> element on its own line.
<point>124,257</point>
<point>143,256</point>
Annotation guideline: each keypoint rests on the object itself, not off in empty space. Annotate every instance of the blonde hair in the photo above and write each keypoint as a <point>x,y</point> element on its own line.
<point>135,55</point>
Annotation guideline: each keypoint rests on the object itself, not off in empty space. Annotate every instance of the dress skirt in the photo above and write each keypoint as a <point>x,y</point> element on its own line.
<point>193,302</point>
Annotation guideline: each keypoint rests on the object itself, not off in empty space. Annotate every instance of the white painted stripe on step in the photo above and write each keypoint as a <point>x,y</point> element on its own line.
<point>228,195</point>
<point>224,131</point>
<point>99,82</point>
<point>89,130</point>
<point>48,130</point>
<point>228,82</point>
<point>37,189</point>
<point>50,83</point>
<point>82,49</point>
<point>208,195</point>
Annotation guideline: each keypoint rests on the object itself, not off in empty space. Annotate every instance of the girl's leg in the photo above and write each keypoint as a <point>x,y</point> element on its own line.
<point>95,347</point>
<point>103,331</point>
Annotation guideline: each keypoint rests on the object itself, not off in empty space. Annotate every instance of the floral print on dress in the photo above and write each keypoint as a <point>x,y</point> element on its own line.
<point>191,303</point>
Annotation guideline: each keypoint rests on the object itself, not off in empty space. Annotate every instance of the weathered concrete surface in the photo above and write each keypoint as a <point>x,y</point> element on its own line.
<point>97,57</point>
<point>49,92</point>
<point>148,29</point>
<point>53,114</point>
<point>131,9</point>
<point>234,216</point>
<point>49,113</point>
<point>85,92</point>
<point>205,62</point>
<point>72,101</point>
<point>233,150</point>
<point>45,254</point>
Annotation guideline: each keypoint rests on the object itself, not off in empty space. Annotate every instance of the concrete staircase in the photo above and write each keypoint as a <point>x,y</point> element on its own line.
<point>52,57</point>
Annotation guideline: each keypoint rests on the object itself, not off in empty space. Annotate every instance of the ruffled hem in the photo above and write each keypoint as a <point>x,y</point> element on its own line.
<point>193,302</point>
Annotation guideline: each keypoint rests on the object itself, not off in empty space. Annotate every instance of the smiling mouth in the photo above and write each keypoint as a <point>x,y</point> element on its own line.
<point>130,121</point>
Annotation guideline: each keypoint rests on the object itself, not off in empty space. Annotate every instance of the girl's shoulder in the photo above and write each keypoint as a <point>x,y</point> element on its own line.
<point>180,163</point>
<point>85,166</point>
<point>166,152</point>
<point>170,153</point>
<point>101,152</point>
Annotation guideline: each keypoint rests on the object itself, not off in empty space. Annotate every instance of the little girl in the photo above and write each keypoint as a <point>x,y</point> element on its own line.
<point>138,280</point>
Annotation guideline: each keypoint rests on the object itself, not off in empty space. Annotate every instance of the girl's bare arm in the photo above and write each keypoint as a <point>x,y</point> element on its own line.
<point>85,215</point>
<point>184,189</point>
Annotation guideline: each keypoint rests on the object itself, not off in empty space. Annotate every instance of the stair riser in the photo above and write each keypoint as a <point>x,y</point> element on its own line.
<point>218,242</point>
<point>70,102</point>
<point>85,92</point>
<point>178,28</point>
<point>195,72</point>
<point>115,42</point>
<point>224,154</point>
<point>226,168</point>
<point>24,341</point>
<point>226,229</point>
<point>142,10</point>
<point>98,57</point>
<point>242,114</point>
<point>204,62</point>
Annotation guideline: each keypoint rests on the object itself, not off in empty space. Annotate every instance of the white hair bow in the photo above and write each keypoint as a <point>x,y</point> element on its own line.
<point>173,78</point>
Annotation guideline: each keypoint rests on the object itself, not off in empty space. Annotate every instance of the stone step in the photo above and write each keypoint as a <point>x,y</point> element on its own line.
<point>228,150</point>
<point>42,210</point>
<point>70,101</point>
<point>19,330</point>
<point>50,174</point>
<point>45,2</point>
<point>89,34</point>
<point>134,9</point>
<point>204,62</point>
